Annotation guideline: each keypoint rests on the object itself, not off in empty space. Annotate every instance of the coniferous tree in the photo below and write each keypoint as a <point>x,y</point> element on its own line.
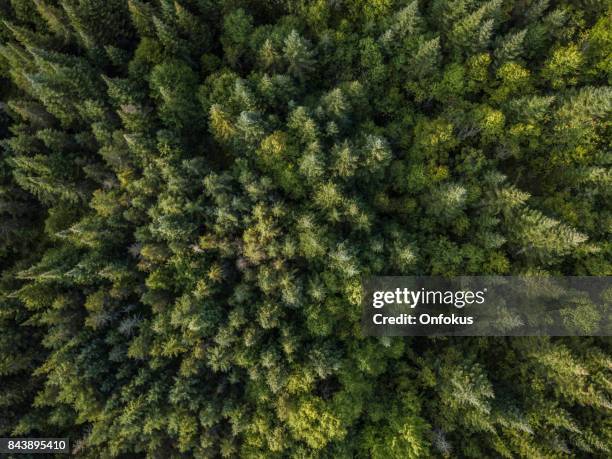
<point>191,191</point>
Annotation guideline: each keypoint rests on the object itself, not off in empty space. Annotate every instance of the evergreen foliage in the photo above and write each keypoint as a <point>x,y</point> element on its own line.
<point>191,190</point>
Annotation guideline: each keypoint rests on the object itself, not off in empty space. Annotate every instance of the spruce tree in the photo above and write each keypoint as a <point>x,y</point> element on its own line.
<point>191,192</point>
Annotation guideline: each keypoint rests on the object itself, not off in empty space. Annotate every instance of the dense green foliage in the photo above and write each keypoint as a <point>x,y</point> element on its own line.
<point>190,191</point>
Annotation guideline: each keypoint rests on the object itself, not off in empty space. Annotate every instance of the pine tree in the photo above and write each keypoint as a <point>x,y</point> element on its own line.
<point>191,192</point>
<point>298,55</point>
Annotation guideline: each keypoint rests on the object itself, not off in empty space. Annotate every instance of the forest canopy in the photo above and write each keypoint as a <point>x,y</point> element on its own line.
<point>191,191</point>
